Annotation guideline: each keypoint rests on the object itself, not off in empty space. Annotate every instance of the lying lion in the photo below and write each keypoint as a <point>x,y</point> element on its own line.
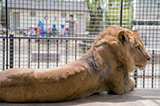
<point>105,67</point>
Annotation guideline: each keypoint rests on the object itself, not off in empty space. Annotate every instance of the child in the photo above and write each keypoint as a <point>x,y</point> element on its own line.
<point>65,31</point>
<point>31,31</point>
<point>54,31</point>
<point>61,33</point>
<point>38,29</point>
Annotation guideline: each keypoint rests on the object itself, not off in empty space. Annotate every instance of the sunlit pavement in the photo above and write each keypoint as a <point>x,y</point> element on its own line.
<point>138,97</point>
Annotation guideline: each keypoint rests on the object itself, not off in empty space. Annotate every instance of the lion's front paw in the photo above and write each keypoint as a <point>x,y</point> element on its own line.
<point>130,86</point>
<point>117,92</point>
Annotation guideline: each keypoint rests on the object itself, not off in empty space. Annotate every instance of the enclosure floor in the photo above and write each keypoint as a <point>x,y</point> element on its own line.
<point>138,97</point>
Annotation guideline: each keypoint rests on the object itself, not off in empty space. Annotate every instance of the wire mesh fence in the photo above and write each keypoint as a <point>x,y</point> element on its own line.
<point>51,33</point>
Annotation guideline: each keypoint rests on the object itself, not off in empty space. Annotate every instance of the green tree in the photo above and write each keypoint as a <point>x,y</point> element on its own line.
<point>3,14</point>
<point>96,16</point>
<point>158,16</point>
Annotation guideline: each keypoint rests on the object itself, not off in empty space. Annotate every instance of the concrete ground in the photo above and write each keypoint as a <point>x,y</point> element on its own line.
<point>138,97</point>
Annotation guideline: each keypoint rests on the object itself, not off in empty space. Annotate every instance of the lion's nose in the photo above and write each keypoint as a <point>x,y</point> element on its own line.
<point>148,58</point>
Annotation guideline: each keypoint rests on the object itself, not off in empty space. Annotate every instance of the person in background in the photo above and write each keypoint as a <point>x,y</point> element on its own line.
<point>54,31</point>
<point>38,29</point>
<point>61,32</point>
<point>42,29</point>
<point>65,31</point>
<point>71,25</point>
<point>75,25</point>
<point>46,22</point>
<point>31,31</point>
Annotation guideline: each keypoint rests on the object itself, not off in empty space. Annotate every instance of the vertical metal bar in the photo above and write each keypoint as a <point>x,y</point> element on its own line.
<point>66,51</point>
<point>143,78</point>
<point>57,54</point>
<point>19,52</point>
<point>29,52</point>
<point>120,23</point>
<point>152,67</point>
<point>11,51</point>
<point>3,54</point>
<point>6,3</point>
<point>75,49</point>
<point>38,51</point>
<point>85,47</point>
<point>135,77</point>
<point>48,57</point>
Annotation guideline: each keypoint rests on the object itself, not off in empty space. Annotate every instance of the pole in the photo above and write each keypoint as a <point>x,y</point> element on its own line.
<point>11,51</point>
<point>6,34</point>
<point>120,23</point>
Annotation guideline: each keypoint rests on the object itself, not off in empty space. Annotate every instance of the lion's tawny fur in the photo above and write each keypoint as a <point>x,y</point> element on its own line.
<point>105,67</point>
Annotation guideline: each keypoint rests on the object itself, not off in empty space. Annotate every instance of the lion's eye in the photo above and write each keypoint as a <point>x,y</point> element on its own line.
<point>139,48</point>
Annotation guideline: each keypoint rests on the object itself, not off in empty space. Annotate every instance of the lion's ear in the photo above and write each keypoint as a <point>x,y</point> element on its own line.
<point>136,32</point>
<point>122,36</point>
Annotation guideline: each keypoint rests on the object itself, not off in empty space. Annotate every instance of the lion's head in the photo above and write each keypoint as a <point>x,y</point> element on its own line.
<point>122,47</point>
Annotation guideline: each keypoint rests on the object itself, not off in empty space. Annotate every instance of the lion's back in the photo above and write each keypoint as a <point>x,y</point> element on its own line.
<point>23,85</point>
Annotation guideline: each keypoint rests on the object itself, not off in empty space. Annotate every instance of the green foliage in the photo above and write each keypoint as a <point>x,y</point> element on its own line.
<point>3,17</point>
<point>112,14</point>
<point>96,16</point>
<point>146,23</point>
<point>120,0</point>
<point>94,4</point>
<point>158,16</point>
<point>37,1</point>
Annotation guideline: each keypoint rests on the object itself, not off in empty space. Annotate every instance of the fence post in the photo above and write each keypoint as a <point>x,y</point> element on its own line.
<point>3,54</point>
<point>152,68</point>
<point>135,77</point>
<point>11,50</point>
<point>66,51</point>
<point>48,56</point>
<point>57,54</point>
<point>6,4</point>
<point>120,23</point>
<point>29,52</point>
<point>38,53</point>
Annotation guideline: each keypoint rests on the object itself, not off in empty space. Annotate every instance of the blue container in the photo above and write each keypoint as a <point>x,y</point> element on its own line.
<point>39,22</point>
<point>62,26</point>
<point>42,27</point>
<point>44,32</point>
<point>54,26</point>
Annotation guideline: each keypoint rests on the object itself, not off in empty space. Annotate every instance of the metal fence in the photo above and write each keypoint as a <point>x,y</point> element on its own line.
<point>23,44</point>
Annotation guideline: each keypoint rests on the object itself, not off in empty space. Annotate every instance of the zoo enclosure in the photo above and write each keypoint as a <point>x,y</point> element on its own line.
<point>92,16</point>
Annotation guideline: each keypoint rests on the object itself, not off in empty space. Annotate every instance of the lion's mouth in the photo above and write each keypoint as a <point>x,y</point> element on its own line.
<point>140,67</point>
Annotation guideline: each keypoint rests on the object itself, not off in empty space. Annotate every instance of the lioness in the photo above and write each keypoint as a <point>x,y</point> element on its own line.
<point>105,67</point>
